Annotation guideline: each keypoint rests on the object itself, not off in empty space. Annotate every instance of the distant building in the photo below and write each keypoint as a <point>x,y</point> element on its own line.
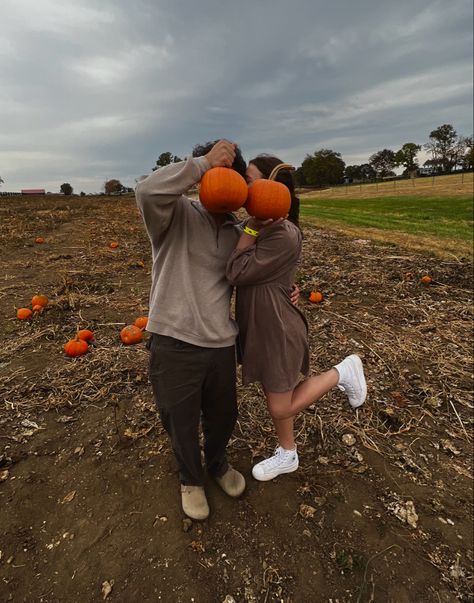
<point>33,191</point>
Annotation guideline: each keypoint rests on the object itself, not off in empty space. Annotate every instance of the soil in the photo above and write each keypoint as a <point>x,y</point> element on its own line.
<point>380,508</point>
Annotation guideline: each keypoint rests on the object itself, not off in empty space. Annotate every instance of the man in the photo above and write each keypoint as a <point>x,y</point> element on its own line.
<point>192,344</point>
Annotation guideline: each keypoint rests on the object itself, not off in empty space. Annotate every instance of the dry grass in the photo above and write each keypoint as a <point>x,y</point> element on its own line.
<point>445,248</point>
<point>415,341</point>
<point>453,185</point>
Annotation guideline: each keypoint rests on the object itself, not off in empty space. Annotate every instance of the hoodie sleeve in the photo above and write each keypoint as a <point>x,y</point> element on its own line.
<point>158,194</point>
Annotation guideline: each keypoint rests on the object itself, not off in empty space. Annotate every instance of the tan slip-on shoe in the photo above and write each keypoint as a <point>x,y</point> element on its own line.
<point>232,482</point>
<point>194,502</point>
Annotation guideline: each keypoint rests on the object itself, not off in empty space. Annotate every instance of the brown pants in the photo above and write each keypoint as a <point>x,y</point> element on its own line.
<point>191,385</point>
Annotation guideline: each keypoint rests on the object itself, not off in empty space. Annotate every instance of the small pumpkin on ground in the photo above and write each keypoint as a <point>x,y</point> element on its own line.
<point>114,244</point>
<point>141,322</point>
<point>131,334</point>
<point>426,280</point>
<point>38,308</point>
<point>316,297</point>
<point>76,347</point>
<point>85,335</point>
<point>39,300</point>
<point>222,190</point>
<point>23,313</point>
<point>39,240</point>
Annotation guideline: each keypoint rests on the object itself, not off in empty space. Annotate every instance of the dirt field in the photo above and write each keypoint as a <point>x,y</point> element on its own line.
<point>88,489</point>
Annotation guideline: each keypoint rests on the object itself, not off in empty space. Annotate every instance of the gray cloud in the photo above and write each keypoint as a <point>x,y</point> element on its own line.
<point>93,91</point>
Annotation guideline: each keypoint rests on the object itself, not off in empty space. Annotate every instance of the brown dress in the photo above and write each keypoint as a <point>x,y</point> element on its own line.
<point>273,333</point>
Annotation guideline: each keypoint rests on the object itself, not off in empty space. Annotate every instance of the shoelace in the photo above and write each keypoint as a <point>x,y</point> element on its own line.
<point>277,457</point>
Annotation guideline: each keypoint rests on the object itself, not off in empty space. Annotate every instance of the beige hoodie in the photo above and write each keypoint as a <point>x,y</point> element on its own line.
<point>190,296</point>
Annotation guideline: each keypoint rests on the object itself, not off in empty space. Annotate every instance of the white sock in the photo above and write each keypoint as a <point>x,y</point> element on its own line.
<point>288,450</point>
<point>341,369</point>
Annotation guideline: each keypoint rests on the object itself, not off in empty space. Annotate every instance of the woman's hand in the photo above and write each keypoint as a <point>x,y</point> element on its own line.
<point>256,224</point>
<point>295,294</point>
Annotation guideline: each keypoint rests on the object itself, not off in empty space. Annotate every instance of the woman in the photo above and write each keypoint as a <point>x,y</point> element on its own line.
<point>273,333</point>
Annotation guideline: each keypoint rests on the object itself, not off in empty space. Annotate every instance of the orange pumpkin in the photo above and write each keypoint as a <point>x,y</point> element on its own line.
<point>316,297</point>
<point>131,334</point>
<point>426,280</point>
<point>76,347</point>
<point>222,190</point>
<point>114,245</point>
<point>39,240</point>
<point>141,322</point>
<point>38,308</point>
<point>267,198</point>
<point>85,335</point>
<point>23,313</point>
<point>39,300</point>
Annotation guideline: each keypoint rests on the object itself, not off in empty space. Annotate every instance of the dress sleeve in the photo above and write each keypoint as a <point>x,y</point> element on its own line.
<point>261,263</point>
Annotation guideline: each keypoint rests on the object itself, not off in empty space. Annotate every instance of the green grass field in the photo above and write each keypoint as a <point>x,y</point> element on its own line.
<point>436,216</point>
<point>441,224</point>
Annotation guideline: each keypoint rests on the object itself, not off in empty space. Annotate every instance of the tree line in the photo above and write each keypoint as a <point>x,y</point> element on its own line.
<point>447,149</point>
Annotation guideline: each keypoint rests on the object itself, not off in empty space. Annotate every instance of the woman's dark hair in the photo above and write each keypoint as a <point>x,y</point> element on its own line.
<point>239,164</point>
<point>265,164</point>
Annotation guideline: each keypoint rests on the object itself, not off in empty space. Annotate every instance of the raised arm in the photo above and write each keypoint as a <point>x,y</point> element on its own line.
<point>158,194</point>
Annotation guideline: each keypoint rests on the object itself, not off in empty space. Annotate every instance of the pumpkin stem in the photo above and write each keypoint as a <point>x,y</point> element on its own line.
<point>280,166</point>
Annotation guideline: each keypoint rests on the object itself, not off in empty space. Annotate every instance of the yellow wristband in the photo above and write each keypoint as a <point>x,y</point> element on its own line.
<point>251,231</point>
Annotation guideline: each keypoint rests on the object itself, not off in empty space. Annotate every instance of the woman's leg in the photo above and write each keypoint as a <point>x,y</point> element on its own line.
<point>285,458</point>
<point>284,406</point>
<point>283,427</point>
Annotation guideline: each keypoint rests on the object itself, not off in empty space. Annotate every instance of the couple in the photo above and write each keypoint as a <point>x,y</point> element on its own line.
<point>198,258</point>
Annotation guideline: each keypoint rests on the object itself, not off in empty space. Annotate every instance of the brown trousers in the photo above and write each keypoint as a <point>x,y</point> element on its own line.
<point>193,385</point>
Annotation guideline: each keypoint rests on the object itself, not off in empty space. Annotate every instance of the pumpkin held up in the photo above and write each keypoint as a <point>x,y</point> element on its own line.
<point>267,198</point>
<point>222,190</point>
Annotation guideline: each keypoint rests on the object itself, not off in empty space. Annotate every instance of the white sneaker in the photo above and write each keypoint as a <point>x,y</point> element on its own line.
<point>352,380</point>
<point>283,461</point>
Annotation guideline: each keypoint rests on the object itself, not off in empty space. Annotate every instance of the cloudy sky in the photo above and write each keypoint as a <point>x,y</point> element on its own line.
<point>96,90</point>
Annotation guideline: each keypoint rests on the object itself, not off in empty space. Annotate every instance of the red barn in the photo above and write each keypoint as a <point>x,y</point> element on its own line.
<point>33,191</point>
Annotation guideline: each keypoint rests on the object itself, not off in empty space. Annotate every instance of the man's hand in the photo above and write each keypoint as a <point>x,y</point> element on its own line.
<point>295,294</point>
<point>222,154</point>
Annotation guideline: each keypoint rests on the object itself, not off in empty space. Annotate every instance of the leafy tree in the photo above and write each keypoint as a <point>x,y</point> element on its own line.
<point>383,163</point>
<point>323,167</point>
<point>83,194</point>
<point>300,180</point>
<point>360,172</point>
<point>1,180</point>
<point>352,172</point>
<point>444,146</point>
<point>406,156</point>
<point>113,186</point>
<point>66,189</point>
<point>367,172</point>
<point>166,159</point>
